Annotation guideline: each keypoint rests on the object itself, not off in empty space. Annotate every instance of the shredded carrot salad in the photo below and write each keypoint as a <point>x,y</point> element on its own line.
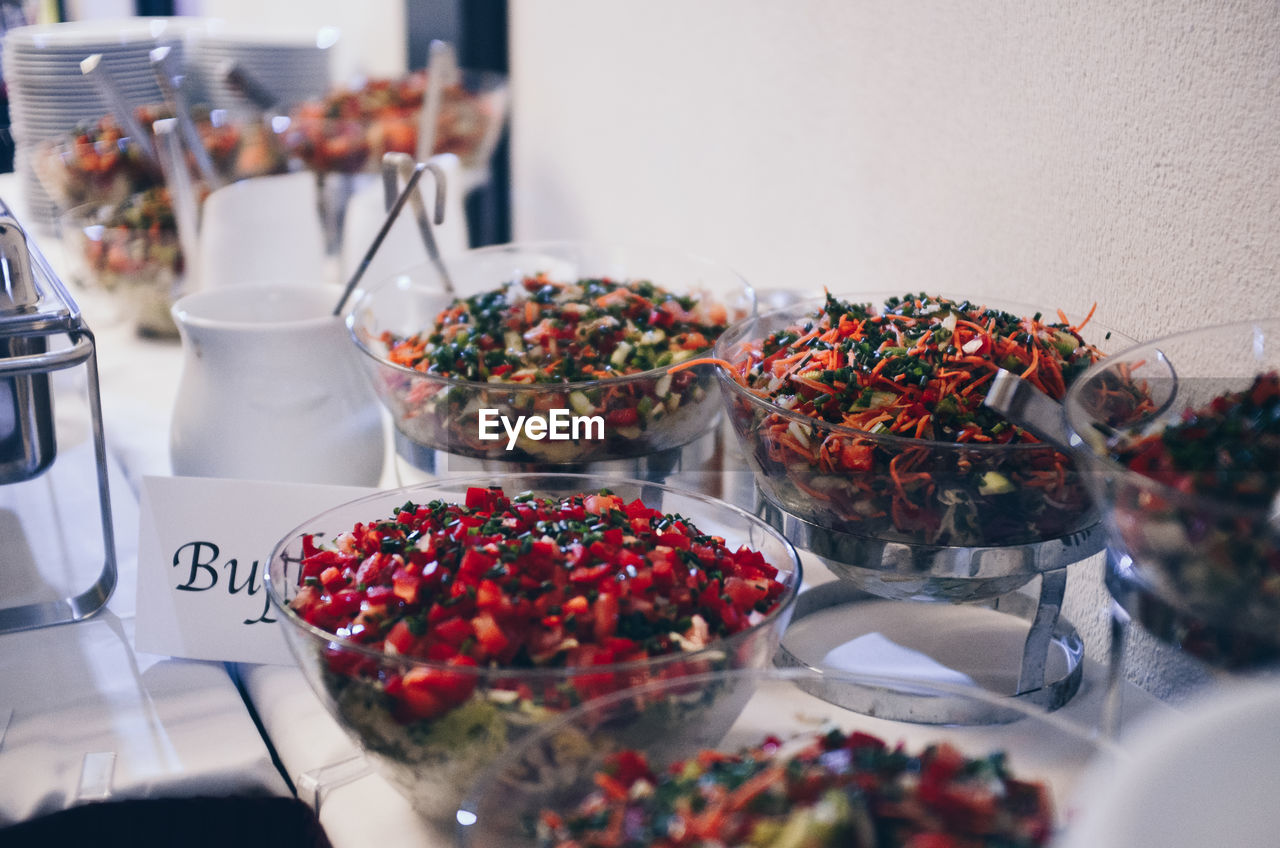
<point>918,367</point>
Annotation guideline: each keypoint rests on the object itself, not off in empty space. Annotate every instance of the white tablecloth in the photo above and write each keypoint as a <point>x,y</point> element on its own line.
<point>180,727</point>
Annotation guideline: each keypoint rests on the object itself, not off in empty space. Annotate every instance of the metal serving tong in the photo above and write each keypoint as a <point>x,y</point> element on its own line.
<point>164,63</point>
<point>399,198</point>
<point>93,68</point>
<point>398,166</point>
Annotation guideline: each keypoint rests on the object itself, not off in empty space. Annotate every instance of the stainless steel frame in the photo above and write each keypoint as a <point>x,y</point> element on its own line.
<point>54,314</point>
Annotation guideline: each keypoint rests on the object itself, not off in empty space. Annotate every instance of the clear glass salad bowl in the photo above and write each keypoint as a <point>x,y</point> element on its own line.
<point>433,757</point>
<point>1210,558</point>
<point>613,418</point>
<point>910,518</point>
<point>556,767</point>
<point>847,479</point>
<point>136,255</point>
<point>348,132</point>
<point>100,165</point>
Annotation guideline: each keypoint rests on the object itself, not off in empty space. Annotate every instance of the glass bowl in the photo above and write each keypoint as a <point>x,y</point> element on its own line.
<point>131,250</point>
<point>432,760</point>
<point>557,766</point>
<point>896,488</point>
<point>1212,558</point>
<point>98,163</point>
<point>348,131</point>
<point>639,414</point>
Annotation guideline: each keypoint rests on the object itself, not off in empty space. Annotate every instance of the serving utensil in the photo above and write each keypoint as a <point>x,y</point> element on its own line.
<point>239,78</point>
<point>442,71</point>
<point>169,78</point>
<point>182,192</point>
<point>397,166</point>
<point>91,66</point>
<point>411,184</point>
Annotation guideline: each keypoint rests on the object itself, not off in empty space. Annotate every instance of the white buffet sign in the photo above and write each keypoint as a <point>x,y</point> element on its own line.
<point>203,548</point>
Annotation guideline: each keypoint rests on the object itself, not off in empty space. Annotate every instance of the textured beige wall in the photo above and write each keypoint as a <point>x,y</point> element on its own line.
<point>1119,152</point>
<point>1122,153</point>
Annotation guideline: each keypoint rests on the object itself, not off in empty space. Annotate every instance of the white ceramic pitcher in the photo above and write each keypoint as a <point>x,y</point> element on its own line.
<point>271,389</point>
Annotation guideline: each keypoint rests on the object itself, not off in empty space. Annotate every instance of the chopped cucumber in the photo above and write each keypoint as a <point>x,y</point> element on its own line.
<point>580,403</point>
<point>995,483</point>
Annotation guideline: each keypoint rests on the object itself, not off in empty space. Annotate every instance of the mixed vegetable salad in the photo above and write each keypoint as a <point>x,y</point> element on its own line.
<point>870,418</point>
<point>97,162</point>
<point>137,238</point>
<point>831,789</point>
<point>609,343</point>
<point>1209,539</point>
<point>348,130</point>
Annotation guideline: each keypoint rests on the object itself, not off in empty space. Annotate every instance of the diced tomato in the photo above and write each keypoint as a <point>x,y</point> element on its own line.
<point>743,594</point>
<point>623,417</point>
<point>489,635</point>
<point>400,637</point>
<point>857,457</point>
<point>474,564</point>
<point>453,631</point>
<point>605,611</point>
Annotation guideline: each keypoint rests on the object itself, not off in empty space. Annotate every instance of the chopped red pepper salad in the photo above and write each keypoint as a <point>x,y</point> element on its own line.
<point>1215,553</point>
<point>527,582</point>
<point>1228,449</point>
<point>834,789</point>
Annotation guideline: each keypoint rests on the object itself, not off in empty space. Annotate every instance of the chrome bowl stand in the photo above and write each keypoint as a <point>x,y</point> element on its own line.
<point>993,577</point>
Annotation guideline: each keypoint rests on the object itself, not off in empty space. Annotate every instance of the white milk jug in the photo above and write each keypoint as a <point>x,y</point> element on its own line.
<point>271,389</point>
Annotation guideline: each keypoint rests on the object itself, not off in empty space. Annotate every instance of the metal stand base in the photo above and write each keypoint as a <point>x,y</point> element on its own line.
<point>1048,677</point>
<point>931,573</point>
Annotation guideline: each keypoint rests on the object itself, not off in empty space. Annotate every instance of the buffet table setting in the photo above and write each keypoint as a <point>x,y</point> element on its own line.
<point>394,540</point>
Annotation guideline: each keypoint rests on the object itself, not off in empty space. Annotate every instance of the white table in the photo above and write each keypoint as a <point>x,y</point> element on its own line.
<point>84,704</point>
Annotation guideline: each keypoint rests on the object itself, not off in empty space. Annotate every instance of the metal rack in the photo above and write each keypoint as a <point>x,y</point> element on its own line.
<point>36,315</point>
<point>994,577</point>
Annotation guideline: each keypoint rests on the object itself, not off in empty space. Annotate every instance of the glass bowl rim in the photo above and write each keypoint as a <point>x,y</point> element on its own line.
<point>802,308</point>
<point>395,280</point>
<point>785,603</point>
<point>1183,500</point>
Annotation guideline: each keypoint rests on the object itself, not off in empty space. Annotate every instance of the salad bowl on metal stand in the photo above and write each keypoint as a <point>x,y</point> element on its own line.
<point>927,538</point>
<point>470,404</point>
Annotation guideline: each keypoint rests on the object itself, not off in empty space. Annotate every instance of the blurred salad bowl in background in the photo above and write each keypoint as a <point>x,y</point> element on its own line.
<point>1181,437</point>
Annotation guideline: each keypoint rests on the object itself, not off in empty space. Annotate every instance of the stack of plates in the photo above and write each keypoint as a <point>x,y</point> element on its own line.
<point>48,95</point>
<point>294,65</point>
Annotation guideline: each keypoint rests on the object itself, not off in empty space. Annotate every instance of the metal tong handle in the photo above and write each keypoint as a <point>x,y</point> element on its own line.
<point>442,72</point>
<point>247,85</point>
<point>392,214</point>
<point>397,166</point>
<point>169,77</point>
<point>182,194</point>
<point>1028,407</point>
<point>91,66</point>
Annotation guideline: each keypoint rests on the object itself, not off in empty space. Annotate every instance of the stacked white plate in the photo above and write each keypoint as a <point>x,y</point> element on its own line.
<point>292,64</point>
<point>48,95</point>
